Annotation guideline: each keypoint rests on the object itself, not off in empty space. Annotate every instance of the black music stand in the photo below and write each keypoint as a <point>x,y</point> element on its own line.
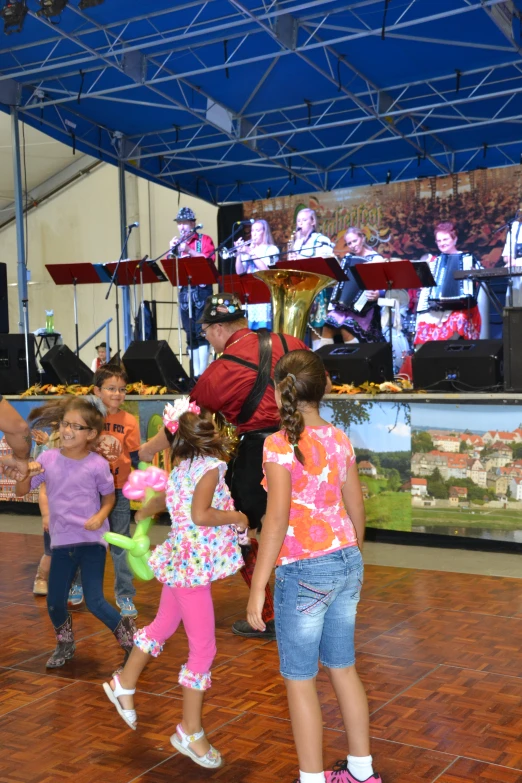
<point>189,271</point>
<point>75,274</point>
<point>389,275</point>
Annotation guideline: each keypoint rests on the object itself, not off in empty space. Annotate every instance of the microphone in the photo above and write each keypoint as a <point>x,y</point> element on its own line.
<point>199,225</point>
<point>245,222</point>
<point>133,225</point>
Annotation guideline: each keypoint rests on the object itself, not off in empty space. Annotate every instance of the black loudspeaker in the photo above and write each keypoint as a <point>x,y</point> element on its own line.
<point>13,369</point>
<point>512,349</point>
<point>153,362</point>
<point>358,363</point>
<point>459,365</point>
<point>61,365</point>
<point>4,302</point>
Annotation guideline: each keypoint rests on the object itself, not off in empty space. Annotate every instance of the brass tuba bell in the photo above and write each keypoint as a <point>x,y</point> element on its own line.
<point>293,293</point>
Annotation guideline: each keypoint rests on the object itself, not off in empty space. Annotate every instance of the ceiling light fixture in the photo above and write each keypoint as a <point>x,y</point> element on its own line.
<point>49,8</point>
<point>83,4</point>
<point>13,13</point>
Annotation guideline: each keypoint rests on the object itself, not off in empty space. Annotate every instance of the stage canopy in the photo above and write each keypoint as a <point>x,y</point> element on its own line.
<point>233,101</point>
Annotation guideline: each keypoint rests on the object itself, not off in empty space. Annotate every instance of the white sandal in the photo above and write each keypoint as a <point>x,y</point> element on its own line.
<point>181,741</point>
<point>129,716</point>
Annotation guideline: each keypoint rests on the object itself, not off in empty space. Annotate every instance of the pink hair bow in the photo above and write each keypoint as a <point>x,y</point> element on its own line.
<point>172,412</point>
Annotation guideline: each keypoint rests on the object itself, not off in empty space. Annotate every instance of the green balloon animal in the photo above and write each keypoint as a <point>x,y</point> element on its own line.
<point>142,484</point>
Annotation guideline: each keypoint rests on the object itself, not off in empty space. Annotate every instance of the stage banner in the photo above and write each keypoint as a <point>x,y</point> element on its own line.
<point>455,478</point>
<point>398,219</point>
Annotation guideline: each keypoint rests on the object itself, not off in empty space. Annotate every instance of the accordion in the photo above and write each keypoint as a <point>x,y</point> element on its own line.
<point>348,296</point>
<point>448,293</point>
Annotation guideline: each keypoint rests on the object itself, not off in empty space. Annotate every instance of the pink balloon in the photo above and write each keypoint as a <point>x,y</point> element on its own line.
<point>141,480</point>
<point>156,478</point>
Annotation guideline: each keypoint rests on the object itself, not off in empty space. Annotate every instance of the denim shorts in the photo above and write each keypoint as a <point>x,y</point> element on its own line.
<point>315,607</point>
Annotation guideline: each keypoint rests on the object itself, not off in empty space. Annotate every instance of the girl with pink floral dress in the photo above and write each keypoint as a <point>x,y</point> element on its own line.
<point>202,547</point>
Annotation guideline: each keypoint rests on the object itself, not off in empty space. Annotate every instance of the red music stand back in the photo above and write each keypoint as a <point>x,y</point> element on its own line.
<point>193,270</point>
<point>248,288</point>
<point>321,266</point>
<point>73,274</point>
<point>387,275</point>
<point>129,272</point>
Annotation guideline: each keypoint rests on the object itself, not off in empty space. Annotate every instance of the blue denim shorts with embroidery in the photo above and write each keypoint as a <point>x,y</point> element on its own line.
<point>315,608</point>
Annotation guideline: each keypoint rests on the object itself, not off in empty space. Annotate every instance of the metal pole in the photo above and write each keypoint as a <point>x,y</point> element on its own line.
<point>142,304</point>
<point>76,329</point>
<point>26,333</point>
<point>125,293</point>
<point>180,339</point>
<point>19,213</point>
<point>108,343</point>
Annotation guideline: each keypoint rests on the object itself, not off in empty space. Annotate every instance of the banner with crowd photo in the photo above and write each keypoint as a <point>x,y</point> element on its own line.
<point>399,219</point>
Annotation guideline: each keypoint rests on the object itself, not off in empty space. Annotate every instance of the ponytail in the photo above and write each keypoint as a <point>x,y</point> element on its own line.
<point>300,376</point>
<point>291,418</point>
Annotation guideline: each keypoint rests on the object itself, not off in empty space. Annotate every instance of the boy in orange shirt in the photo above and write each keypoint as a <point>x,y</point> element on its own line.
<point>119,444</point>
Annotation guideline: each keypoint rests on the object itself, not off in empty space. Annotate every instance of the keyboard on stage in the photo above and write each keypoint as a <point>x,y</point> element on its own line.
<point>487,274</point>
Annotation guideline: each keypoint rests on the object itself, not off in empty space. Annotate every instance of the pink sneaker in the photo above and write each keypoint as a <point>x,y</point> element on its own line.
<point>343,776</point>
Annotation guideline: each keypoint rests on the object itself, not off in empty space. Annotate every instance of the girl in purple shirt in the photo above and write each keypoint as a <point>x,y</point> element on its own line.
<point>80,491</point>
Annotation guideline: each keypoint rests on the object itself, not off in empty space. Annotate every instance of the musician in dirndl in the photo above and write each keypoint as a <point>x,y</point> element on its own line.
<point>258,254</point>
<point>310,243</point>
<point>450,310</point>
<point>353,312</point>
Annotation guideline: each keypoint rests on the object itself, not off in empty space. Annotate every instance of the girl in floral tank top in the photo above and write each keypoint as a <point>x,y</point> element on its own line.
<point>313,531</point>
<point>202,546</point>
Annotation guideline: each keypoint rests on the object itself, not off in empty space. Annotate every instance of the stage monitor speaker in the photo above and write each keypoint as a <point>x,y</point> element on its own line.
<point>4,302</point>
<point>153,362</point>
<point>512,349</point>
<point>13,369</point>
<point>459,365</point>
<point>61,365</point>
<point>348,363</point>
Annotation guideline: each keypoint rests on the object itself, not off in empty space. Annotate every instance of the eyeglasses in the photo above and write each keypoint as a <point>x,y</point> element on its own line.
<point>115,389</point>
<point>66,425</point>
<point>203,330</point>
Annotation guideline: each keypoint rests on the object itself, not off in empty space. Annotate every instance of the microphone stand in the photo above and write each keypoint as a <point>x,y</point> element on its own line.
<point>114,279</point>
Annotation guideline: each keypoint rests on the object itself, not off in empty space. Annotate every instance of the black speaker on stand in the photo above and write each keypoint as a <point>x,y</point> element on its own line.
<point>61,365</point>
<point>459,365</point>
<point>153,362</point>
<point>513,349</point>
<point>349,363</point>
<point>13,368</point>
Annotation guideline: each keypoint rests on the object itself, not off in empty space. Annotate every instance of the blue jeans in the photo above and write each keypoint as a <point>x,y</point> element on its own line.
<point>315,607</point>
<point>119,521</point>
<point>64,563</point>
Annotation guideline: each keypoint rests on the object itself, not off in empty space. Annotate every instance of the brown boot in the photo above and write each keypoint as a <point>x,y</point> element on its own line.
<point>65,647</point>
<point>124,634</point>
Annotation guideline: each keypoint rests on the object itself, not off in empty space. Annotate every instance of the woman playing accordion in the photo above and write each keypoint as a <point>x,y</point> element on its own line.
<point>449,310</point>
<point>353,311</point>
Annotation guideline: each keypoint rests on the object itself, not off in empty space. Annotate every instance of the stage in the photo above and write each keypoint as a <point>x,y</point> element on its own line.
<point>439,465</point>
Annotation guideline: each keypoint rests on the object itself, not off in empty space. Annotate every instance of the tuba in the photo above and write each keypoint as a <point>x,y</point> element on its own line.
<point>293,292</point>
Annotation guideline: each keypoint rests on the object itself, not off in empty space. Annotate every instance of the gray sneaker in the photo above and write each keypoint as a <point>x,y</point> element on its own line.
<point>242,628</point>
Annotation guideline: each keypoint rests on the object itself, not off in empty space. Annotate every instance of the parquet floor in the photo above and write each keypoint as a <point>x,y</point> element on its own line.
<point>440,655</point>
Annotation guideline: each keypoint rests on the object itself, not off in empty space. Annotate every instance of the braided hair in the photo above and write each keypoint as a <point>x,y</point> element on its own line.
<point>299,376</point>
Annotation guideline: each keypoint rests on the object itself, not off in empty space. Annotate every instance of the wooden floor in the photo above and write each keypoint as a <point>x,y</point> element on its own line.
<point>440,655</point>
